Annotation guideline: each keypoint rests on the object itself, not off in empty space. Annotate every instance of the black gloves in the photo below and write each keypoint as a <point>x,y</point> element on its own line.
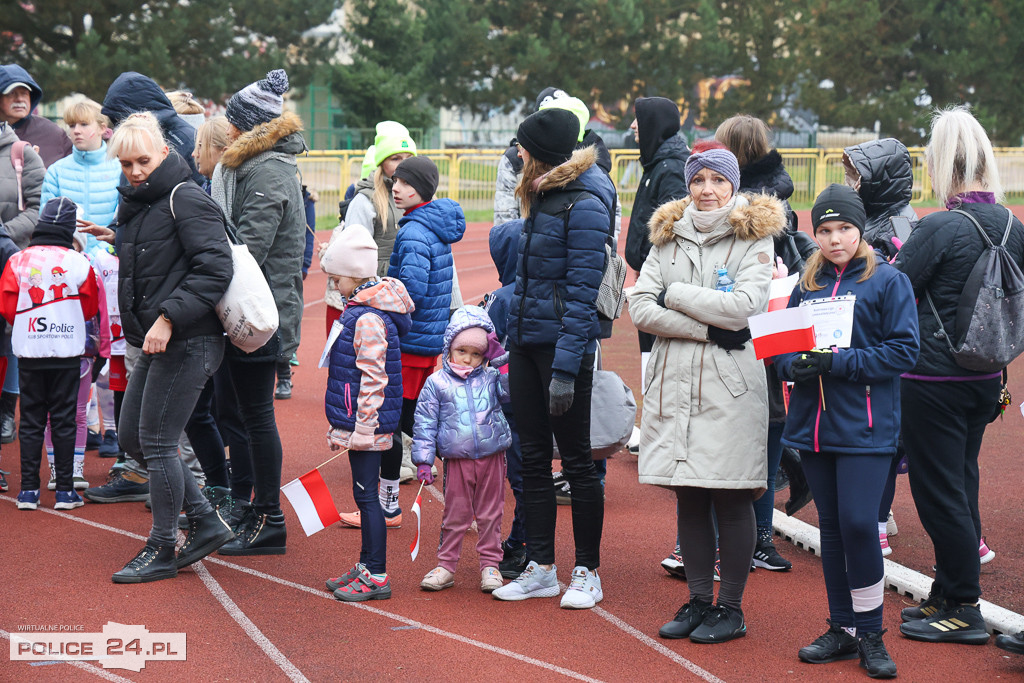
<point>728,339</point>
<point>97,368</point>
<point>661,298</point>
<point>562,391</point>
<point>810,366</point>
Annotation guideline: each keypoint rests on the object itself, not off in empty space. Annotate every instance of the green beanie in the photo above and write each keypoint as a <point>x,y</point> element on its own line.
<point>368,165</point>
<point>392,138</point>
<point>574,105</point>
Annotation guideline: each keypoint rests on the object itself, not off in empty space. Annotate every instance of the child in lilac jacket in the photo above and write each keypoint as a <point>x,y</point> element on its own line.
<point>458,417</point>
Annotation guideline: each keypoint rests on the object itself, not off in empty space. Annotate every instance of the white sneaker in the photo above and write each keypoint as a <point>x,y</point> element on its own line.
<point>78,476</point>
<point>633,445</point>
<point>534,582</point>
<point>584,590</point>
<point>890,525</point>
<point>52,484</point>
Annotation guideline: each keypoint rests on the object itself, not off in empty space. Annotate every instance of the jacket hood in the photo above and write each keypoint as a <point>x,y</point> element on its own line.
<point>768,175</point>
<point>443,216</point>
<point>132,92</point>
<point>12,73</point>
<point>582,167</point>
<point>280,134</point>
<point>886,174</point>
<point>467,316</point>
<point>504,243</point>
<point>388,296</point>
<point>604,157</point>
<point>657,120</point>
<point>764,216</point>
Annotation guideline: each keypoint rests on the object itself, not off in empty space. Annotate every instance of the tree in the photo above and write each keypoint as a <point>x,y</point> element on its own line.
<point>213,47</point>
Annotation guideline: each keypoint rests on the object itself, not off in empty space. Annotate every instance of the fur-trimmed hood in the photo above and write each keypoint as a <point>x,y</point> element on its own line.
<point>265,137</point>
<point>563,174</point>
<point>764,216</point>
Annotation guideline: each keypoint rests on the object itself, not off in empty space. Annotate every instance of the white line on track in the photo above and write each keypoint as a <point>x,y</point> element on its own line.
<point>84,666</point>
<point>313,303</point>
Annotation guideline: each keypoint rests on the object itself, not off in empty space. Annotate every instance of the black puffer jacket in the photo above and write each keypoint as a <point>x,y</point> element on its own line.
<point>180,267</point>
<point>938,257</point>
<point>886,186</point>
<point>768,175</point>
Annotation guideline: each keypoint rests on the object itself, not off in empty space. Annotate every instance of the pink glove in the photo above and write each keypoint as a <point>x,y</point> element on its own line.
<point>424,474</point>
<point>781,271</point>
<point>361,442</point>
<point>494,347</point>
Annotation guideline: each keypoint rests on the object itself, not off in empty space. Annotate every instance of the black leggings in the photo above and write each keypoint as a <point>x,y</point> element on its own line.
<point>391,459</point>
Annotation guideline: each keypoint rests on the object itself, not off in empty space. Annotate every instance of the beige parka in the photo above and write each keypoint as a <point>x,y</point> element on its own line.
<point>705,411</point>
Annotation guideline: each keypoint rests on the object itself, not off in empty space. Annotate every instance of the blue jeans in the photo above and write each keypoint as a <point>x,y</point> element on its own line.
<point>365,480</point>
<point>162,391</point>
<point>764,507</point>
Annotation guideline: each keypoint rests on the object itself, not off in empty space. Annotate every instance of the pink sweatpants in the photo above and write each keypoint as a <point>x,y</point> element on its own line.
<point>472,488</point>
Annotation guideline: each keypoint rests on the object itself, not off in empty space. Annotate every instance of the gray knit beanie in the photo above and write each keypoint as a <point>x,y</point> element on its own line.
<point>258,102</point>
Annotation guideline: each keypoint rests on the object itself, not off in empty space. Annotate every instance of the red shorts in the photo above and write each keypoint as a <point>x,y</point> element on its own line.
<point>415,371</point>
<point>118,374</point>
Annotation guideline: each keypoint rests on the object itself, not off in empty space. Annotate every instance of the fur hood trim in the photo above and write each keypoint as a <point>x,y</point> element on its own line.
<point>764,216</point>
<point>260,139</point>
<point>563,174</point>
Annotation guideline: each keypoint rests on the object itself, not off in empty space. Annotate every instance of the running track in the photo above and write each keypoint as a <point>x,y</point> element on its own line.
<point>269,619</point>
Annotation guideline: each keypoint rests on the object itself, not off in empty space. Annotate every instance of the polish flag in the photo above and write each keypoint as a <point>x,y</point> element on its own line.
<point>780,291</point>
<point>312,502</point>
<point>786,331</point>
<point>414,547</point>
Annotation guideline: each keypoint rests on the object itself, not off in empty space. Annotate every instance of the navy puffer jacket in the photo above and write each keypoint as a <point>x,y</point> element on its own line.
<point>886,187</point>
<point>559,271</point>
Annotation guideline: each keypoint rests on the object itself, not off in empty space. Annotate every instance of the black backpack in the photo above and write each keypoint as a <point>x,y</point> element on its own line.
<point>990,315</point>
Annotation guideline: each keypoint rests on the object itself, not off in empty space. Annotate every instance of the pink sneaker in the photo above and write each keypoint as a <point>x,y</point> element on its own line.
<point>883,540</point>
<point>985,553</point>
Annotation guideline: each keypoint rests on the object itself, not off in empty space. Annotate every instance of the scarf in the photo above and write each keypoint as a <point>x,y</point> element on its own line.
<point>975,197</point>
<point>706,221</point>
<point>462,371</point>
<point>222,187</point>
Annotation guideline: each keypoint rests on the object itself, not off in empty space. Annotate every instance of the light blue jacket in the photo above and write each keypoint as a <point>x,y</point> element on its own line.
<point>89,179</point>
<point>461,418</point>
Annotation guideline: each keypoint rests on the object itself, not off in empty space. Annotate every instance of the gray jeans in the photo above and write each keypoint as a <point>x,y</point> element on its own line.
<point>162,391</point>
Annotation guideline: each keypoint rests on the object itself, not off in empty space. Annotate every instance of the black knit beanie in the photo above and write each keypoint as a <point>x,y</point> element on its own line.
<point>550,135</point>
<point>421,173</point>
<point>57,222</point>
<point>839,203</point>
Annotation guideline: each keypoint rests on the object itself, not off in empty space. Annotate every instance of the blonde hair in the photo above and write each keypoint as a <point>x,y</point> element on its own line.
<point>959,154</point>
<point>746,136</point>
<point>85,111</point>
<point>212,135</point>
<point>532,170</point>
<point>382,198</point>
<point>817,261</point>
<point>183,102</point>
<point>136,132</point>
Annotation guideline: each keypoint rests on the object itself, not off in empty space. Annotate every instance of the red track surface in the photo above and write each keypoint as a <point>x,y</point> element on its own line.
<point>57,566</point>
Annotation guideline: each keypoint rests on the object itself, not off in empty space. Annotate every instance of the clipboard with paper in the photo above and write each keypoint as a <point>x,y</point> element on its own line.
<point>833,321</point>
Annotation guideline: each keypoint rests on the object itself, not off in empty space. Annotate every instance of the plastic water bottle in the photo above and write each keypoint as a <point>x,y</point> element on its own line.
<point>725,283</point>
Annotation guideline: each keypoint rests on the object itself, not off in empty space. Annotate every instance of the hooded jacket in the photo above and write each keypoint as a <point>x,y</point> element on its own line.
<point>561,261</point>
<point>40,131</point>
<point>663,155</point>
<point>461,418</point>
<point>504,242</point>
<point>886,186</point>
<point>361,211</point>
<point>705,417</point>
<point>132,92</point>
<point>90,179</point>
<point>269,214</point>
<point>861,412</point>
<point>181,266</point>
<point>18,222</point>
<point>364,381</point>
<point>422,260</point>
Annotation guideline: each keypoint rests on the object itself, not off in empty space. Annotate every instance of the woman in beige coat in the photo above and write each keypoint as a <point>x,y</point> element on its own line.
<point>705,416</point>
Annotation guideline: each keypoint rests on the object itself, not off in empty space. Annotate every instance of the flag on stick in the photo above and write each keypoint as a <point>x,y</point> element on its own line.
<point>312,502</point>
<point>780,291</point>
<point>414,547</point>
<point>785,331</point>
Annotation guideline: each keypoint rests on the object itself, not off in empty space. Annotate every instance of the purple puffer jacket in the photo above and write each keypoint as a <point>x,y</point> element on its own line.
<point>461,418</point>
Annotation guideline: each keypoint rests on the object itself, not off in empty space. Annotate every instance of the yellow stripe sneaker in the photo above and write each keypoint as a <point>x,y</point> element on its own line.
<point>952,624</point>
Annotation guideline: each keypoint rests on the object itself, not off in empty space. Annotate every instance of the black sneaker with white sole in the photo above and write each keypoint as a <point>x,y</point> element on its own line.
<point>673,564</point>
<point>767,557</point>
<point>952,624</point>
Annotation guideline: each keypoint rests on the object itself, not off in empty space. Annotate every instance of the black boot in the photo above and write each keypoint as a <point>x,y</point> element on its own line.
<point>151,564</point>
<point>8,403</point>
<point>513,561</point>
<point>799,490</point>
<point>258,534</point>
<point>206,533</point>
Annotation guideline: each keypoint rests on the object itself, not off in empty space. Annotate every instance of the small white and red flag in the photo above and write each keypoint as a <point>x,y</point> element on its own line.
<point>780,291</point>
<point>786,331</point>
<point>312,502</point>
<point>414,547</point>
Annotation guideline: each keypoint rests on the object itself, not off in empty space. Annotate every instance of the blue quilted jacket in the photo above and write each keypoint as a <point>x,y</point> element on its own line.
<point>89,179</point>
<point>461,418</point>
<point>422,260</point>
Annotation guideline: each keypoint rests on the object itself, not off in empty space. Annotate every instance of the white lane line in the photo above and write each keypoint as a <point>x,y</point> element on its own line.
<point>84,666</point>
<point>313,303</point>
<point>322,594</point>
<point>251,630</point>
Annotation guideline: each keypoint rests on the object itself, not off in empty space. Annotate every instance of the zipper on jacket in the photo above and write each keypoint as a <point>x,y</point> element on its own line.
<point>559,306</point>
<point>526,279</point>
<point>839,279</point>
<point>817,424</point>
<point>472,413</point>
<point>348,398</point>
<point>868,392</point>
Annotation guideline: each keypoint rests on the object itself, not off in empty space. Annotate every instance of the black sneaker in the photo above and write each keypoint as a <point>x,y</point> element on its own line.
<point>689,617</point>
<point>953,624</point>
<point>874,657</point>
<point>258,534</point>
<point>834,645</point>
<point>284,389</point>
<point>3,480</point>
<point>1014,643</point>
<point>232,512</point>
<point>206,533</point>
<point>153,563</point>
<point>767,557</point>
<point>673,564</point>
<point>721,623</point>
<point>930,606</point>
<point>513,562</point>
<point>109,448</point>
<point>93,440</point>
<point>563,496</point>
<point>123,487</point>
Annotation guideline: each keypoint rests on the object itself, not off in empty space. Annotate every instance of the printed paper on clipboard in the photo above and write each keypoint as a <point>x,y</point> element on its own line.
<point>833,321</point>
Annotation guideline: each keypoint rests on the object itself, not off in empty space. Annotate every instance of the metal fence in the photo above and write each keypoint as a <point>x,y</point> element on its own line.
<point>468,175</point>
